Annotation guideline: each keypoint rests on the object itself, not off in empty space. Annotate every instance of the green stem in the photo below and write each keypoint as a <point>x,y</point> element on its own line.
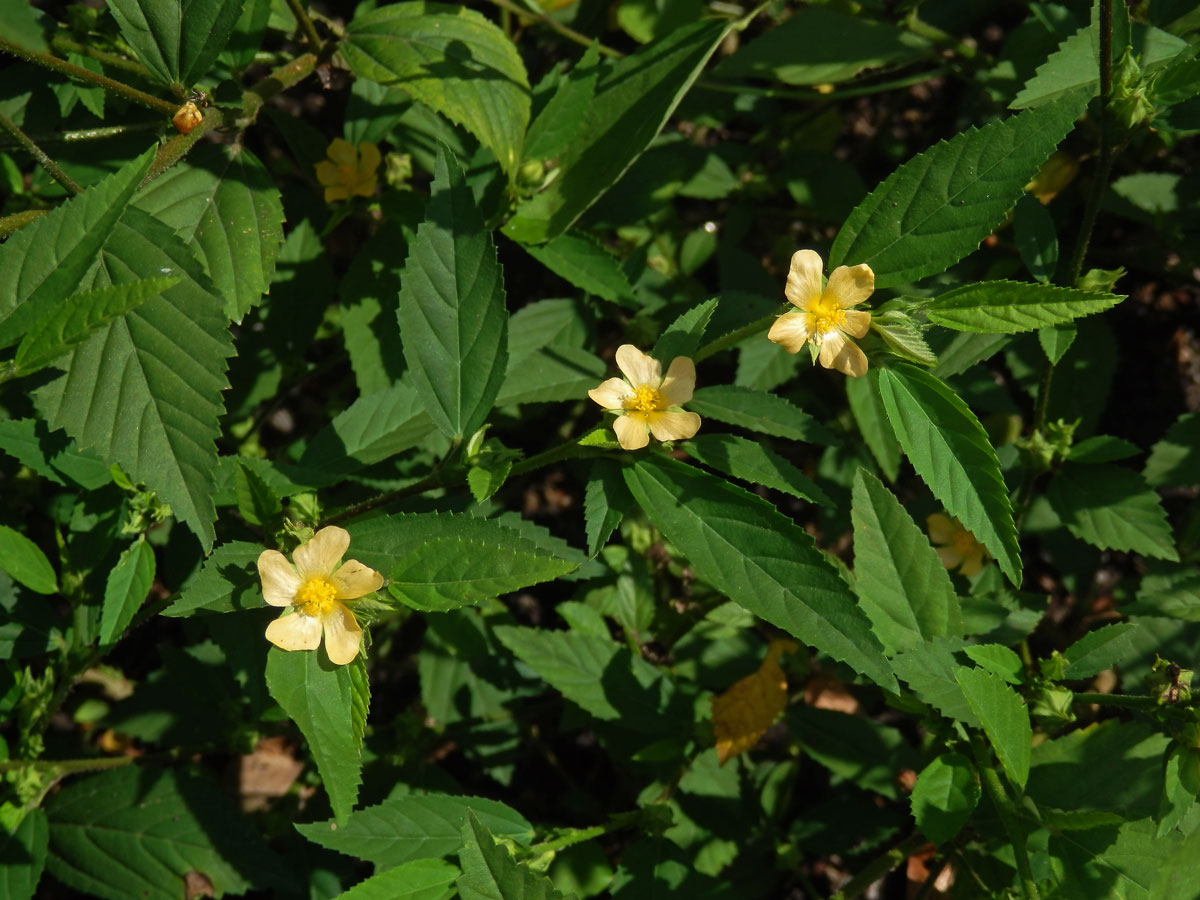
<point>306,25</point>
<point>569,450</point>
<point>578,836</point>
<point>734,337</point>
<point>10,224</point>
<point>39,154</point>
<point>813,94</point>
<point>1126,701</point>
<point>569,33</point>
<point>935,35</point>
<point>429,482</point>
<point>880,866</point>
<point>66,45</point>
<point>56,768</point>
<point>1009,818</point>
<point>91,134</point>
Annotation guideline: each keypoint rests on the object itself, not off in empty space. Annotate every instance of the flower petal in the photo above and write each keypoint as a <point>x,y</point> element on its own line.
<point>972,563</point>
<point>838,352</point>
<point>279,579</point>
<point>342,152</point>
<point>354,580</point>
<point>850,285</point>
<point>611,394</point>
<point>368,160</point>
<point>321,555</point>
<point>677,387</point>
<point>336,192</point>
<point>365,187</point>
<point>858,322</point>
<point>804,280</point>
<point>343,635</point>
<point>791,331</point>
<point>327,173</point>
<point>295,631</point>
<point>941,528</point>
<point>637,367</point>
<point>949,557</point>
<point>674,425</point>
<point>631,430</point>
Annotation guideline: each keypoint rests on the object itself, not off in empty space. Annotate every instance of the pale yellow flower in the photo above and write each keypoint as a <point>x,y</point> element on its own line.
<point>956,547</point>
<point>645,402</point>
<point>348,171</point>
<point>823,315</point>
<point>313,590</point>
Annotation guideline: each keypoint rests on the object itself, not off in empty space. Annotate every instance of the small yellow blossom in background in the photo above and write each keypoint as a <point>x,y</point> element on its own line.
<point>647,403</point>
<point>956,546</point>
<point>823,315</point>
<point>1055,174</point>
<point>313,590</point>
<point>349,171</point>
<point>743,713</point>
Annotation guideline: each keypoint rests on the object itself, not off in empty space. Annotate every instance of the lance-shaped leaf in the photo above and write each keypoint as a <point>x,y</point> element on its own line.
<point>1004,718</point>
<point>1009,307</point>
<point>128,585</point>
<point>758,411</point>
<point>454,61</point>
<point>584,263</point>
<point>952,454</point>
<point>756,463</point>
<point>145,390</point>
<point>452,314</point>
<point>752,553</point>
<point>420,879</point>
<point>938,206</point>
<point>176,39</point>
<point>490,873</point>
<point>24,561</point>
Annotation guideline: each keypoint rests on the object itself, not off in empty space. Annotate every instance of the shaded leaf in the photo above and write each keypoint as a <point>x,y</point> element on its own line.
<point>1004,719</point>
<point>871,417</point>
<point>127,587</point>
<point>1102,649</point>
<point>1010,307</point>
<point>758,411</point>
<point>752,461</point>
<point>1112,508</point>
<point>420,879</point>
<point>944,797</point>
<point>25,562</point>
<point>583,262</point>
<point>23,856</point>
<point>490,873</point>
<point>1175,460</point>
<point>177,39</point>
<point>228,581</point>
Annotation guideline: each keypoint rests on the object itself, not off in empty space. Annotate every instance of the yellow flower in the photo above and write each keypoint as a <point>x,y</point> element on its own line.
<point>350,172</point>
<point>956,546</point>
<point>823,316</point>
<point>645,402</point>
<point>313,590</point>
<point>743,713</point>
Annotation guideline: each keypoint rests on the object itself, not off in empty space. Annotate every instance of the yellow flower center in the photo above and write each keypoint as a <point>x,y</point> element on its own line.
<point>316,596</point>
<point>828,317</point>
<point>645,399</point>
<point>963,543</point>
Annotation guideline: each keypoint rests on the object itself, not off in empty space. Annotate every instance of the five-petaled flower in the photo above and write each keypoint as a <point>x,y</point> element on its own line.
<point>313,591</point>
<point>647,403</point>
<point>823,315</point>
<point>348,171</point>
<point>957,547</point>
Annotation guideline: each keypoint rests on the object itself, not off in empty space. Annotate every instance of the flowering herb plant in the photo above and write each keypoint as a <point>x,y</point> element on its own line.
<point>599,450</point>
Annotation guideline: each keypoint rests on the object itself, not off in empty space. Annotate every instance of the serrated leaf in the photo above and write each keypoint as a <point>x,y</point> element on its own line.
<point>937,207</point>
<point>1004,718</point>
<point>137,831</point>
<point>454,61</point>
<point>1175,460</point>
<point>228,581</point>
<point>1112,508</point>
<point>871,417</point>
<point>606,501</point>
<point>371,429</point>
<point>901,584</point>
<point>929,670</point>
<point>559,122</point>
<point>586,264</point>
<point>145,390</point>
<point>758,411</point>
<point>1010,307</point>
<point>127,587</point>
<point>1102,448</point>
<point>176,39</point>
<point>952,454</point>
<point>682,337</point>
<point>1056,340</point>
<point>1036,237</point>
<point>256,501</point>
<point>1181,788</point>
<point>965,350</point>
<point>452,314</point>
<point>490,873</point>
<point>550,374</point>
<point>1102,649</point>
<point>756,463</point>
<point>420,879</point>
<point>634,98</point>
<point>413,826</point>
<point>222,201</point>
<point>944,797</point>
<point>25,562</point>
<point>23,856</point>
<point>999,660</point>
<point>753,554</point>
<point>320,698</point>
<point>1171,591</point>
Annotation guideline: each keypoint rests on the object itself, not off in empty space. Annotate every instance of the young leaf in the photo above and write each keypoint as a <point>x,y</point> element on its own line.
<point>25,562</point>
<point>871,417</point>
<point>583,262</point>
<point>454,61</point>
<point>900,582</point>
<point>752,461</point>
<point>1004,719</point>
<point>420,879</point>
<point>227,582</point>
<point>490,873</point>
<point>937,207</point>
<point>452,314</point>
<point>1112,508</point>
<point>128,585</point>
<point>1056,340</point>
<point>320,698</point>
<point>23,856</point>
<point>952,454</point>
<point>758,411</point>
<point>944,797</point>
<point>605,503</point>
<point>178,39</point>
<point>999,660</point>
<point>1009,307</point>
<point>753,554</point>
<point>1102,649</point>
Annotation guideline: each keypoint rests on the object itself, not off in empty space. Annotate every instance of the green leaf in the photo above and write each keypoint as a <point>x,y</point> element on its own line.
<point>222,201</point>
<point>1181,788</point>
<point>414,826</point>
<point>43,263</point>
<point>682,337</point>
<point>999,660</point>
<point>227,582</point>
<point>145,390</point>
<point>138,830</point>
<point>1010,307</point>
<point>127,587</point>
<point>490,873</point>
<point>937,207</point>
<point>560,120</point>
<point>901,584</point>
<point>951,452</point>
<point>1004,719</point>
<point>965,349</point>
<point>24,561</point>
<point>758,411</point>
<point>753,554</point>
<point>1172,591</point>
<point>606,501</point>
<point>23,856</point>
<point>858,749</point>
<point>1056,340</point>
<point>320,698</point>
<point>420,879</point>
<point>452,314</point>
<point>454,61</point>
<point>583,262</point>
<point>751,461</point>
<point>944,797</point>
<point>1112,508</point>
<point>634,98</point>
<point>929,670</point>
<point>176,39</point>
<point>550,374</point>
<point>1102,649</point>
<point>871,417</point>
<point>1175,460</point>
<point>257,503</point>
<point>371,429</point>
<point>1036,237</point>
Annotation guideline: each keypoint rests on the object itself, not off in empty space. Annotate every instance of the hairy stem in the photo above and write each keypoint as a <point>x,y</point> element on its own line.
<point>734,337</point>
<point>306,25</point>
<point>1009,818</point>
<point>39,154</point>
